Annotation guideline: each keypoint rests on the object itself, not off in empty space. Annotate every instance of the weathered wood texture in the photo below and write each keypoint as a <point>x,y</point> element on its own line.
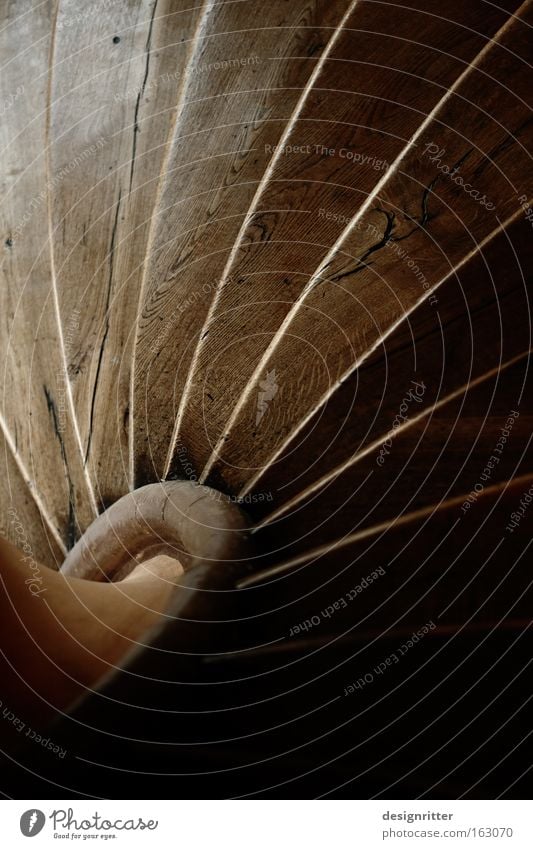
<point>336,308</point>
<point>35,405</point>
<point>24,522</point>
<point>284,246</point>
<point>117,80</point>
<point>252,63</point>
<point>232,241</point>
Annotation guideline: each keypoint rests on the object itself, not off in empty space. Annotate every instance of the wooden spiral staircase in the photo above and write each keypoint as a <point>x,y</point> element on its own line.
<point>281,250</point>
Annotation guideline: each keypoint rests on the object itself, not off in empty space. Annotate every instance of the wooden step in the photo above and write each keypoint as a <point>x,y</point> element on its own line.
<point>480,438</point>
<point>24,520</point>
<point>475,329</point>
<point>116,88</point>
<point>242,86</point>
<point>36,411</point>
<point>339,309</point>
<point>442,563</point>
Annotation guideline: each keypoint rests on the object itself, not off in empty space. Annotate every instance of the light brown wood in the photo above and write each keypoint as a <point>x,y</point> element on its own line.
<point>252,64</point>
<point>256,263</point>
<point>35,406</point>
<point>117,82</point>
<point>24,519</point>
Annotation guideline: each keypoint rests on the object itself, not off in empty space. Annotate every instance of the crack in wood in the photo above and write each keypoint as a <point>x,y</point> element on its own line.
<point>106,331</point>
<point>136,129</point>
<point>361,262</point>
<point>71,535</point>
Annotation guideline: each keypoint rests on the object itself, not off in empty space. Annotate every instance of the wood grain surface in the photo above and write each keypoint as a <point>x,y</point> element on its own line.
<point>415,230</point>
<point>285,250</point>
<point>35,403</point>
<point>471,331</point>
<point>234,236</point>
<point>116,87</point>
<point>24,520</point>
<point>252,64</point>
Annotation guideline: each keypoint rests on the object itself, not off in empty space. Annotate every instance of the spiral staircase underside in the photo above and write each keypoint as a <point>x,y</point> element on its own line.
<point>235,252</point>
